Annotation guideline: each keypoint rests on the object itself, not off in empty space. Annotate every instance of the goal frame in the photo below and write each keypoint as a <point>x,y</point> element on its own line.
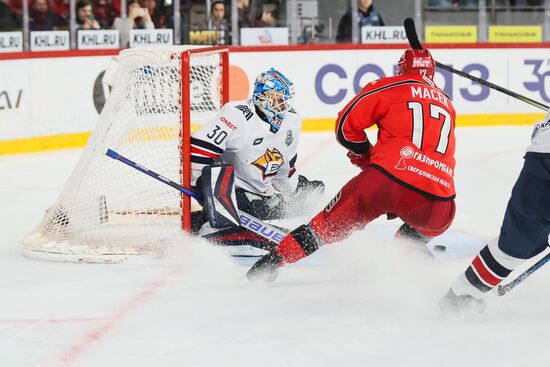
<point>186,118</point>
<point>91,227</point>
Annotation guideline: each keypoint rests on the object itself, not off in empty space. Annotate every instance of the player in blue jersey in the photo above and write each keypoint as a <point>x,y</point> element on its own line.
<point>523,235</point>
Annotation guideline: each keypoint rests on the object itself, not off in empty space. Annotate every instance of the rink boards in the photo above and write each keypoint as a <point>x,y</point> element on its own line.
<point>51,100</point>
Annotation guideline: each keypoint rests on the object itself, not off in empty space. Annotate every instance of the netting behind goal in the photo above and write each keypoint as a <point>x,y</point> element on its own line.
<point>108,210</point>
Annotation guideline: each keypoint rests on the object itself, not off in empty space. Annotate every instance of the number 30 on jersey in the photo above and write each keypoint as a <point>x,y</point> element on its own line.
<point>217,135</point>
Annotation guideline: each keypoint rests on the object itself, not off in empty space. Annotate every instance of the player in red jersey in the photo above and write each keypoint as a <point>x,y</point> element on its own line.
<point>408,173</point>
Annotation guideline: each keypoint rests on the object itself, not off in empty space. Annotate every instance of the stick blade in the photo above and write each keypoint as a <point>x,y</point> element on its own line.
<point>412,36</point>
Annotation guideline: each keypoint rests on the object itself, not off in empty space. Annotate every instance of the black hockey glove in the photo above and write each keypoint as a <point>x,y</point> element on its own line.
<point>306,193</point>
<point>307,188</point>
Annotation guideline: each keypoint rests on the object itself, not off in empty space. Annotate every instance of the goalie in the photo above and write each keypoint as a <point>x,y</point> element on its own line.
<point>259,138</point>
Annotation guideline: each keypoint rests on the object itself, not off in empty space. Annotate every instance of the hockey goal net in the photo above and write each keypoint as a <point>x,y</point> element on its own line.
<point>108,211</point>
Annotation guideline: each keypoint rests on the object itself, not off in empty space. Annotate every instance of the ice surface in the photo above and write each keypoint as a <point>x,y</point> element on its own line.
<point>365,302</point>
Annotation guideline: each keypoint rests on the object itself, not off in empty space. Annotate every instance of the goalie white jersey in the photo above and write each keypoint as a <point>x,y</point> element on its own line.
<point>263,160</point>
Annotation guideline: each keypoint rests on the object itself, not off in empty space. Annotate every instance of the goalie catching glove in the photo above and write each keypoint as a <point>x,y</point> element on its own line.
<point>297,202</point>
<point>304,196</point>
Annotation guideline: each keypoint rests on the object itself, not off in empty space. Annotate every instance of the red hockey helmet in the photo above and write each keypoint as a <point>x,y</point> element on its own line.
<point>416,62</point>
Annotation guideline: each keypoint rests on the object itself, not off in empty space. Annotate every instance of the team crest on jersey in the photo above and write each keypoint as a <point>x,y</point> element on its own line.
<point>406,153</point>
<point>289,138</point>
<point>269,162</point>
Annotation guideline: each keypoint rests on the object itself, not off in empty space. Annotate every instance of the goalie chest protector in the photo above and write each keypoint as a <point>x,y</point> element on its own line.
<point>239,137</point>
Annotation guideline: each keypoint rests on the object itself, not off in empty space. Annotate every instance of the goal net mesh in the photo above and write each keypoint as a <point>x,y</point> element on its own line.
<point>108,210</point>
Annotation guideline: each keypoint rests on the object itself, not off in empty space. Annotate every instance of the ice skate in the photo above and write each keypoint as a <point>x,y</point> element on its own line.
<point>266,269</point>
<point>464,304</point>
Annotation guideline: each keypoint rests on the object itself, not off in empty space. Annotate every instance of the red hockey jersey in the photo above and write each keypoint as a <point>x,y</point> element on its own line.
<point>416,142</point>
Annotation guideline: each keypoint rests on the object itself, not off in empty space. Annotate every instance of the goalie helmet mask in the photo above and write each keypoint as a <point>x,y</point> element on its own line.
<point>416,62</point>
<point>273,95</point>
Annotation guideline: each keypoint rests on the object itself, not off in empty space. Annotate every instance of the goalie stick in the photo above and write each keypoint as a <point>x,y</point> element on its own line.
<point>503,289</point>
<point>412,36</point>
<point>246,220</point>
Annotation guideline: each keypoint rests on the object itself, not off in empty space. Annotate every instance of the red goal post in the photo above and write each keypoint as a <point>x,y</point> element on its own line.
<point>186,57</point>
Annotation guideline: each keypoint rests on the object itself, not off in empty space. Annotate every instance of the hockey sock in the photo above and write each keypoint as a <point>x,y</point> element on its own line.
<point>488,269</point>
<point>298,244</point>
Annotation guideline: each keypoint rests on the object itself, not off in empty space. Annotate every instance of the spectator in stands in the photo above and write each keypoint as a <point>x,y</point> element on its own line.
<point>217,19</point>
<point>247,15</point>
<point>368,16</point>
<point>105,11</point>
<point>85,16</point>
<point>265,19</point>
<point>16,8</point>
<point>138,18</point>
<point>61,8</point>
<point>217,22</point>
<point>156,14</point>
<point>8,19</point>
<point>42,18</point>
<point>185,9</point>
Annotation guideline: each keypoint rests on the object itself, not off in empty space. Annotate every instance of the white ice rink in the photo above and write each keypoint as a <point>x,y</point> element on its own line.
<point>365,302</point>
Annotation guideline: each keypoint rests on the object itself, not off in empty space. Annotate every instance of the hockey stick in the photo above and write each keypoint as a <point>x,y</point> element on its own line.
<point>247,221</point>
<point>412,36</point>
<point>503,289</point>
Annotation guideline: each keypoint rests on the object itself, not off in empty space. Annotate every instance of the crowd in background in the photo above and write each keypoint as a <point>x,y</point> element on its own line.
<point>149,14</point>
<point>97,14</point>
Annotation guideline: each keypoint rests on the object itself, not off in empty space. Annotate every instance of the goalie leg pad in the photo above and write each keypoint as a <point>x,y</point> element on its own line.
<point>219,196</point>
<point>238,236</point>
